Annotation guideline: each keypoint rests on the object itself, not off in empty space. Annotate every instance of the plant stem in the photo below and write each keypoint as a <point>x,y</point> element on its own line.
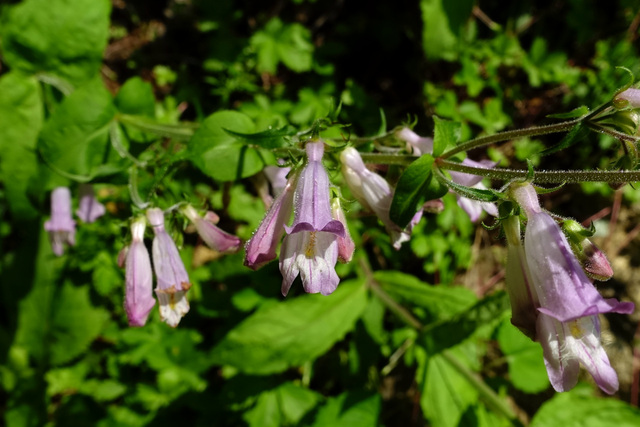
<point>492,399</point>
<point>511,134</point>
<point>178,131</point>
<point>547,177</point>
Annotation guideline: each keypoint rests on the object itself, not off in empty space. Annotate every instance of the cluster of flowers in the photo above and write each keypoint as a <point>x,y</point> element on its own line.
<point>61,226</point>
<point>171,274</point>
<point>552,298</point>
<point>319,236</point>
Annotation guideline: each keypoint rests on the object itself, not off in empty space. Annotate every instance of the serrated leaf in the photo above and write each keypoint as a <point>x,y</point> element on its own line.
<point>221,155</point>
<point>416,185</point>
<point>282,406</point>
<point>290,333</point>
<point>56,37</point>
<point>483,195</point>
<point>447,333</point>
<point>21,118</point>
<point>270,138</point>
<point>445,393</point>
<point>446,134</point>
<point>526,363</point>
<point>441,301</point>
<point>575,409</point>
<point>571,138</point>
<point>350,409</point>
<point>75,139</point>
<point>573,114</point>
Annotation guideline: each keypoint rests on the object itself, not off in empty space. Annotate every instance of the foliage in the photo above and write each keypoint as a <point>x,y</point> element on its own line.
<point>166,103</point>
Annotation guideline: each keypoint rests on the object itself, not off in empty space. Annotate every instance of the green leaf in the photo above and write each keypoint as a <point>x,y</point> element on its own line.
<point>282,406</point>
<point>443,22</point>
<point>56,37</point>
<point>447,333</point>
<point>446,134</point>
<point>576,409</point>
<point>573,114</point>
<point>416,185</point>
<point>75,139</point>
<point>572,137</point>
<point>286,43</point>
<point>21,119</point>
<point>222,156</point>
<point>442,301</point>
<point>526,363</point>
<point>102,391</point>
<point>75,323</point>
<point>290,333</point>
<point>136,97</point>
<point>446,394</point>
<point>483,195</point>
<point>350,409</point>
<point>270,138</point>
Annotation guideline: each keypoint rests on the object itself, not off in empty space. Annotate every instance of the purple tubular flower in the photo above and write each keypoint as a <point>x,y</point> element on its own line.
<point>632,96</point>
<point>346,247</point>
<point>90,208</point>
<point>171,275</point>
<point>138,299</point>
<point>419,145</point>
<point>213,236</point>
<point>311,245</point>
<point>567,324</point>
<point>473,208</point>
<point>566,345</point>
<point>61,227</point>
<point>522,296</point>
<point>277,177</point>
<point>375,193</point>
<point>261,248</point>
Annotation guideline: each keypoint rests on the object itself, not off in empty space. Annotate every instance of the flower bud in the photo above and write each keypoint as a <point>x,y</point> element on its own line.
<point>594,262</point>
<point>346,247</point>
<point>419,145</point>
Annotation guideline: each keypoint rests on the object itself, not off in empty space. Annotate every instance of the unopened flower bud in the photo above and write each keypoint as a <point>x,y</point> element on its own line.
<point>346,247</point>
<point>594,262</point>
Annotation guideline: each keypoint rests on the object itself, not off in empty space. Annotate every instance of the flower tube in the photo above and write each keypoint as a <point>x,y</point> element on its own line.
<point>61,227</point>
<point>171,275</point>
<point>138,300</point>
<point>90,208</point>
<point>310,247</point>
<point>213,236</point>
<point>261,248</point>
<point>374,193</point>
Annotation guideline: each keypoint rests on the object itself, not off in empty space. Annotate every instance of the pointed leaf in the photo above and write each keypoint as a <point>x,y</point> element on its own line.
<point>446,134</point>
<point>290,333</point>
<point>571,138</point>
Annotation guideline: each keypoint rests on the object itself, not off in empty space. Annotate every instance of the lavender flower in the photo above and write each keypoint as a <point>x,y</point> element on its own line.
<point>213,236</point>
<point>419,145</point>
<point>311,245</point>
<point>90,208</point>
<point>375,193</point>
<point>566,345</point>
<point>473,208</point>
<point>261,248</point>
<point>171,275</point>
<point>632,96</point>
<point>524,301</point>
<point>138,300</point>
<point>61,227</point>
<point>567,324</point>
<point>346,247</point>
<point>277,177</point>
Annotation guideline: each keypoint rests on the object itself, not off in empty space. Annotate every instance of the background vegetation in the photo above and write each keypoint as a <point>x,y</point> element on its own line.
<point>415,337</point>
